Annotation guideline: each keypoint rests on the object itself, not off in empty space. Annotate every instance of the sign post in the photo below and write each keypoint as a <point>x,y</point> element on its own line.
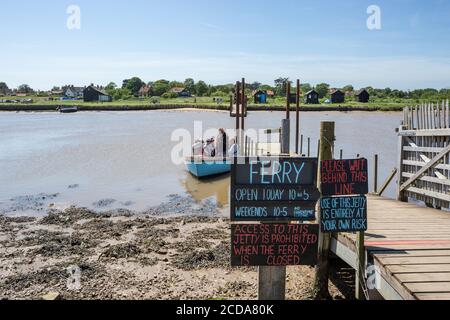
<point>327,138</point>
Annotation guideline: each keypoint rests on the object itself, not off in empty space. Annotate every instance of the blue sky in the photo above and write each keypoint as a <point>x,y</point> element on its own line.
<point>220,41</point>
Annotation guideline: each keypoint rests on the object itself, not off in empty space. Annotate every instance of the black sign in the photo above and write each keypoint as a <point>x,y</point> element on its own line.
<point>274,189</point>
<point>344,177</point>
<point>343,214</point>
<point>274,244</point>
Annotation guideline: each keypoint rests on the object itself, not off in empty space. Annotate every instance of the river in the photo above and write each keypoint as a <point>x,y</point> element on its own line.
<point>110,160</point>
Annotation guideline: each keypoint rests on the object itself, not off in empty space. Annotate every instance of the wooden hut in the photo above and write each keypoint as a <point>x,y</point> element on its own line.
<point>95,94</point>
<point>338,97</point>
<point>362,96</point>
<point>312,97</point>
<point>260,96</point>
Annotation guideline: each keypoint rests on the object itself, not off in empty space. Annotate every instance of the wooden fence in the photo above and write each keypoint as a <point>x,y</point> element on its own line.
<point>424,161</point>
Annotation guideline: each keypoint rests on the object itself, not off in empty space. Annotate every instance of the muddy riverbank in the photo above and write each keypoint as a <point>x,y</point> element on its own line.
<point>82,254</point>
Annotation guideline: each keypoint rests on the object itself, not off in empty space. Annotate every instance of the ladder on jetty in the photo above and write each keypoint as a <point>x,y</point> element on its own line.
<point>407,246</point>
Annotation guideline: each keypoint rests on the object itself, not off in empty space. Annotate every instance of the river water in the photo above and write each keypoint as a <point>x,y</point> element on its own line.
<point>110,160</point>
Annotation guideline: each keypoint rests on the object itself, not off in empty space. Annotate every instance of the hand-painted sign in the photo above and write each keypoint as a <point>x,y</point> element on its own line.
<point>274,189</point>
<point>274,244</point>
<point>343,214</point>
<point>344,177</point>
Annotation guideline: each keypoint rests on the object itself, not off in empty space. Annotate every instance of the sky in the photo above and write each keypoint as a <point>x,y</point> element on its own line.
<point>221,41</point>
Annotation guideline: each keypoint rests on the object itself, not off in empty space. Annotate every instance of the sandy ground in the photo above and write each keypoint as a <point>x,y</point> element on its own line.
<point>81,254</point>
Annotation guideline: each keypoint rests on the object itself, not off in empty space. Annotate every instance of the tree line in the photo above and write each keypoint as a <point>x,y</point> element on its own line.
<point>130,88</point>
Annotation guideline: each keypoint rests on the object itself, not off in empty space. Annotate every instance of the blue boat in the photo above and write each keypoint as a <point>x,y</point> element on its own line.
<point>202,168</point>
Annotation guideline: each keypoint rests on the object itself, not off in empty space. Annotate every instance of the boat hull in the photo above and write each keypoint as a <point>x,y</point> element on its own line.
<point>206,169</point>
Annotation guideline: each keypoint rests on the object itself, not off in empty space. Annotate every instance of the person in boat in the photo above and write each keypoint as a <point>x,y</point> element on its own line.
<point>197,148</point>
<point>234,150</point>
<point>221,144</point>
<point>209,149</point>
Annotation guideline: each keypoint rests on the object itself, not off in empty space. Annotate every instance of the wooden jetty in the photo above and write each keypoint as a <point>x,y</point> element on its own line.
<point>407,246</point>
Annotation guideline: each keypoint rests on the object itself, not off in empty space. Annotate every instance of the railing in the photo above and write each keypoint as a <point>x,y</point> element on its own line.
<point>424,161</point>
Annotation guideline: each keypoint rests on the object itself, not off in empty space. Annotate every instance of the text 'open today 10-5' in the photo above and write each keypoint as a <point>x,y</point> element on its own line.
<point>272,189</point>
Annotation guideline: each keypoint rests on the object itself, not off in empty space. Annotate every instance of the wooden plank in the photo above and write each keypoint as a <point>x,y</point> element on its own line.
<point>414,253</point>
<point>428,179</point>
<point>414,260</point>
<point>425,133</point>
<point>428,193</point>
<point>411,268</point>
<point>430,287</point>
<point>433,296</point>
<point>424,277</point>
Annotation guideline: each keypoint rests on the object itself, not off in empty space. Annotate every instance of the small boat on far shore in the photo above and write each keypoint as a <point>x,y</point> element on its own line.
<point>67,109</point>
<point>207,167</point>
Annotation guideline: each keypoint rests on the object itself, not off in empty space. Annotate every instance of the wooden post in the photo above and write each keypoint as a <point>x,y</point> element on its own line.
<point>309,147</point>
<point>341,155</point>
<point>238,124</point>
<point>301,145</point>
<point>401,144</point>
<point>297,119</point>
<point>375,174</point>
<point>327,138</point>
<point>243,106</point>
<point>288,100</point>
<point>361,266</point>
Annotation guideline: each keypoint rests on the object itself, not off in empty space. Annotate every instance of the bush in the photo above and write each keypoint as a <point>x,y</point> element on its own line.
<point>170,95</point>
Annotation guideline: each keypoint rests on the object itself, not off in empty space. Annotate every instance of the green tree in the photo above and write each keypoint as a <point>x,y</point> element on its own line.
<point>24,88</point>
<point>348,88</point>
<point>134,85</point>
<point>280,86</point>
<point>160,87</point>
<point>322,89</point>
<point>201,88</point>
<point>306,87</point>
<point>4,88</point>
<point>111,86</point>
<point>189,85</point>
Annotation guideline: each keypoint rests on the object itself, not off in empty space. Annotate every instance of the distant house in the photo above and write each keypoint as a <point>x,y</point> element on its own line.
<point>312,97</point>
<point>337,96</point>
<point>260,96</point>
<point>144,91</point>
<point>57,92</point>
<point>95,94</point>
<point>73,92</point>
<point>21,94</point>
<point>182,92</point>
<point>362,96</point>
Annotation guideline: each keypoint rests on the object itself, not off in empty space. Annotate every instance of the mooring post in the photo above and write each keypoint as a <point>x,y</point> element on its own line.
<point>297,119</point>
<point>237,98</point>
<point>375,174</point>
<point>327,137</point>
<point>360,282</point>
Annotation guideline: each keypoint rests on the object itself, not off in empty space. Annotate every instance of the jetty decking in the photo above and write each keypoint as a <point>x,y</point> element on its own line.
<point>410,247</point>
